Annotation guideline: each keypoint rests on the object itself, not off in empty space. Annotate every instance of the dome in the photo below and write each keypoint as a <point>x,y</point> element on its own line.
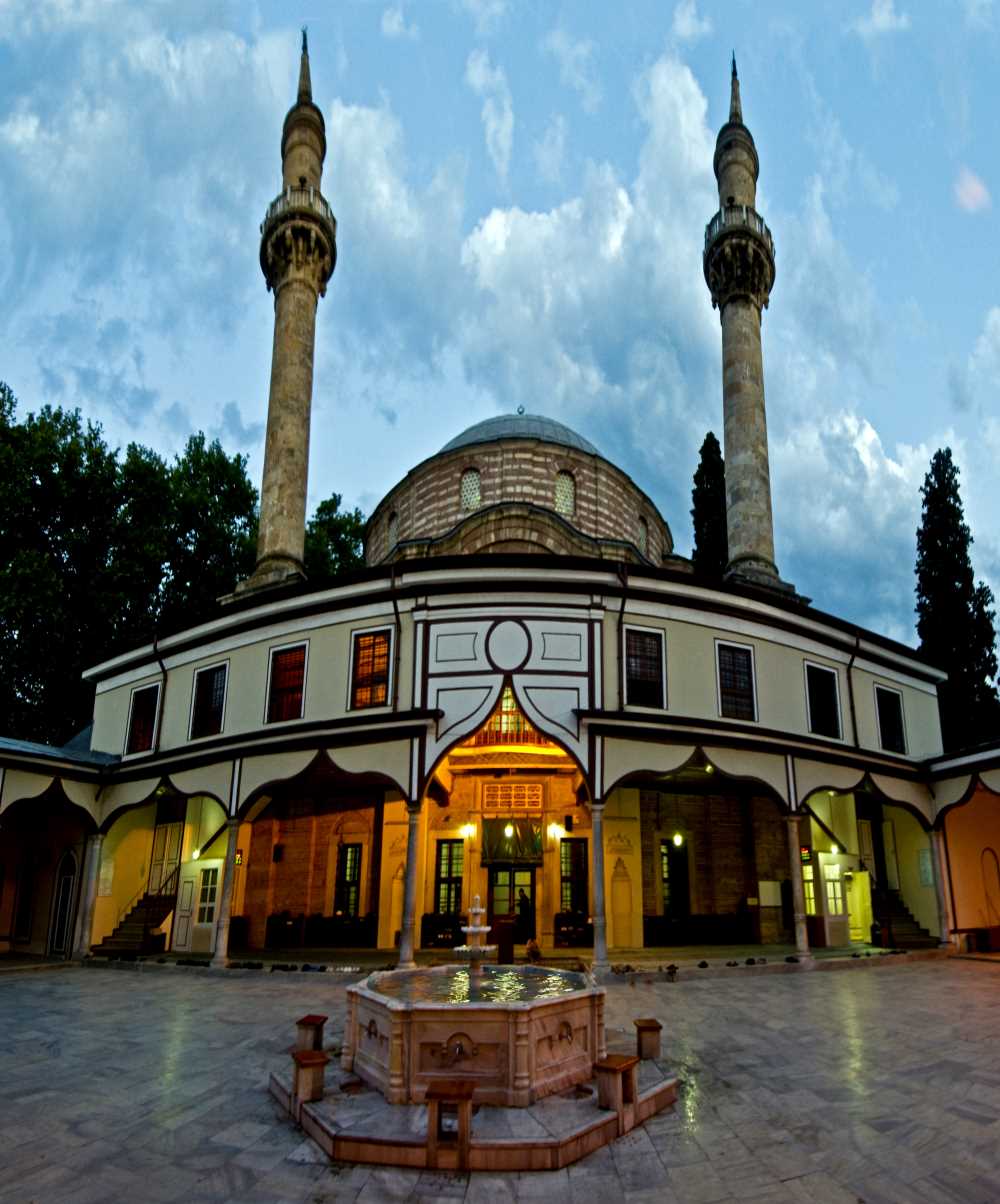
<point>520,426</point>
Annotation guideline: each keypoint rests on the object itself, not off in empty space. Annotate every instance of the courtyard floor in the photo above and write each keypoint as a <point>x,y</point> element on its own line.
<point>878,1085</point>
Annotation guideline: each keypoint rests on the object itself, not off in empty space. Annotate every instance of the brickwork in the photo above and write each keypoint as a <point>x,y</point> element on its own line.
<point>733,844</point>
<point>519,473</point>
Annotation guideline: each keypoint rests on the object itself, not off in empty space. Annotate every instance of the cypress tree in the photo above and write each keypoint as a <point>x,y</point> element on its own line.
<point>708,511</point>
<point>955,615</point>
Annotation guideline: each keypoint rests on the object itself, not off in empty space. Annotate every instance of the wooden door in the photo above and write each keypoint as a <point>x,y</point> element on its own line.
<point>866,846</point>
<point>511,899</point>
<point>166,855</point>
<point>62,911</point>
<point>891,862</point>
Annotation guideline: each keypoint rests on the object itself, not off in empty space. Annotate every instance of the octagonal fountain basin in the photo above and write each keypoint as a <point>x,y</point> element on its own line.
<point>518,1032</point>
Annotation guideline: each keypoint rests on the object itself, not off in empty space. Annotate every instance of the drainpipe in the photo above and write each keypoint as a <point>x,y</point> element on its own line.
<point>623,578</point>
<point>395,669</point>
<point>850,692</point>
<point>163,695</point>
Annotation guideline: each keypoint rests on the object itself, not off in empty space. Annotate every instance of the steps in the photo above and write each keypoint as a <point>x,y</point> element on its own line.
<point>900,928</point>
<point>134,935</point>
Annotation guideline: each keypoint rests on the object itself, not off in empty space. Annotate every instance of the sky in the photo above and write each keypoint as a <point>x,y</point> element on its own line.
<point>521,191</point>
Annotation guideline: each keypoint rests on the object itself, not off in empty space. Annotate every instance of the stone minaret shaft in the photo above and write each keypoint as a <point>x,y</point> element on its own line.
<point>739,271</point>
<point>298,252</point>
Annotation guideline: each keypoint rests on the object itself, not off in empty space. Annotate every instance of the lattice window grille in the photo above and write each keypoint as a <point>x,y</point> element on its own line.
<point>565,494</point>
<point>470,493</point>
<point>512,797</point>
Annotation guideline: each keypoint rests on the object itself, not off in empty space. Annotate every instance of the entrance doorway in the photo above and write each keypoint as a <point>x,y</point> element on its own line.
<point>511,899</point>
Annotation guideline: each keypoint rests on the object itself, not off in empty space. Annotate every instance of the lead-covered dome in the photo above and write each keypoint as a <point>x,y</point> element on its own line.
<point>517,483</point>
<point>520,426</point>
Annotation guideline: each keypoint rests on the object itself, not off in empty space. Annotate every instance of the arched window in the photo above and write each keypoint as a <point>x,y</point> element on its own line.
<point>393,530</point>
<point>470,494</point>
<point>565,494</point>
<point>643,537</point>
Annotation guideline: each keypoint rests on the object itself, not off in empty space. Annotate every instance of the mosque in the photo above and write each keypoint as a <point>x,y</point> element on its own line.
<point>525,694</point>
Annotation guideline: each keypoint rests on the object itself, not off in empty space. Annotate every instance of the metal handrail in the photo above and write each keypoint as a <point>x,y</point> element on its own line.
<point>741,217</point>
<point>295,197</point>
<point>144,890</point>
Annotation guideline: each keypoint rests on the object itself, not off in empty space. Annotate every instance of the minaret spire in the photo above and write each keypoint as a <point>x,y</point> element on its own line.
<point>298,252</point>
<point>305,83</point>
<point>735,108</point>
<point>739,271</point>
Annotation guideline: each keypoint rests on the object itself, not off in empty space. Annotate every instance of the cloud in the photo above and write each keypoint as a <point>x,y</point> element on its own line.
<point>233,432</point>
<point>550,150</point>
<point>498,111</point>
<point>394,24</point>
<point>883,19</point>
<point>971,194</point>
<point>979,14</point>
<point>576,68</point>
<point>487,14</point>
<point>688,26</point>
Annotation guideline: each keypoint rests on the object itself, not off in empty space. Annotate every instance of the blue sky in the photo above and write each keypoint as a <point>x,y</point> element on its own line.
<point>521,192</point>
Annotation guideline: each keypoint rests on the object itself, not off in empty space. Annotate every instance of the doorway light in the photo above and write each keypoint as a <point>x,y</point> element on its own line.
<point>196,854</point>
<point>509,831</point>
<point>678,839</point>
<point>834,850</point>
<point>467,831</point>
<point>556,831</point>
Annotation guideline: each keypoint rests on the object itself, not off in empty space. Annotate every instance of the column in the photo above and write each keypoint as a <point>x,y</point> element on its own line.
<point>220,958</point>
<point>600,962</point>
<point>798,892</point>
<point>937,861</point>
<point>406,961</point>
<point>88,896</point>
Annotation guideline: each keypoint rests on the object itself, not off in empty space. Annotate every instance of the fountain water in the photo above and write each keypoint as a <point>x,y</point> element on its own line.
<point>474,951</point>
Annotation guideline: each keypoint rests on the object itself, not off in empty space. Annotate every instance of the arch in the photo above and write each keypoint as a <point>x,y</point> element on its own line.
<point>64,900</point>
<point>165,786</point>
<point>989,864</point>
<point>706,760</point>
<point>52,795</point>
<point>321,773</point>
<point>972,788</point>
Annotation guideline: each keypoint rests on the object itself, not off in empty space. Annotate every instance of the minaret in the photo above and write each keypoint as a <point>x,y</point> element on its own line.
<point>739,271</point>
<point>298,252</point>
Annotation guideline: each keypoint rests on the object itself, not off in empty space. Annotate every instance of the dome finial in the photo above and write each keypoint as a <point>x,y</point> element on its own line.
<point>735,108</point>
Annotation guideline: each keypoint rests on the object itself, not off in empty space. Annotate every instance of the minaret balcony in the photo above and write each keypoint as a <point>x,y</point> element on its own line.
<point>298,202</point>
<point>738,219</point>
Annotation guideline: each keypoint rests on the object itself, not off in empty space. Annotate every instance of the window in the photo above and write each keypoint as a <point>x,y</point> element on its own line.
<point>470,494</point>
<point>347,892</point>
<point>643,667</point>
<point>565,493</point>
<point>809,889</point>
<point>287,683</point>
<point>573,876</point>
<point>834,891</point>
<point>207,895</point>
<point>142,721</point>
<point>370,673</point>
<point>736,692</point>
<point>448,877</point>
<point>822,701</point>
<point>643,536</point>
<point>393,530</point>
<point>889,705</point>
<point>209,701</point>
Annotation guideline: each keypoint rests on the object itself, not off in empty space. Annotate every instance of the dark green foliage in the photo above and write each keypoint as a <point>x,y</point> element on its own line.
<point>708,512</point>
<point>954,615</point>
<point>100,552</point>
<point>334,543</point>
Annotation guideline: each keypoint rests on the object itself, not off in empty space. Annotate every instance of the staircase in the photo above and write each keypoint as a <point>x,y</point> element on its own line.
<point>134,934</point>
<point>899,928</point>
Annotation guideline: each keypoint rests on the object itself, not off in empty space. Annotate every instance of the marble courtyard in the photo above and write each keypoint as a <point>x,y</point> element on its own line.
<point>881,1085</point>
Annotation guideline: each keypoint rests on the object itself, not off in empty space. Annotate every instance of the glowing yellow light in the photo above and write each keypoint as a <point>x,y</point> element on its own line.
<point>467,831</point>
<point>678,839</point>
<point>710,769</point>
<point>509,831</point>
<point>196,854</point>
<point>556,831</point>
<point>834,850</point>
<point>830,793</point>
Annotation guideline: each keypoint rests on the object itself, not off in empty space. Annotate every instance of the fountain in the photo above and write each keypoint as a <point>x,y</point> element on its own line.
<point>519,1033</point>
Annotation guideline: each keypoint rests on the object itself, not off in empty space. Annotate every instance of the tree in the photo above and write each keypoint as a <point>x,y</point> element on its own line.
<point>708,512</point>
<point>334,542</point>
<point>955,616</point>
